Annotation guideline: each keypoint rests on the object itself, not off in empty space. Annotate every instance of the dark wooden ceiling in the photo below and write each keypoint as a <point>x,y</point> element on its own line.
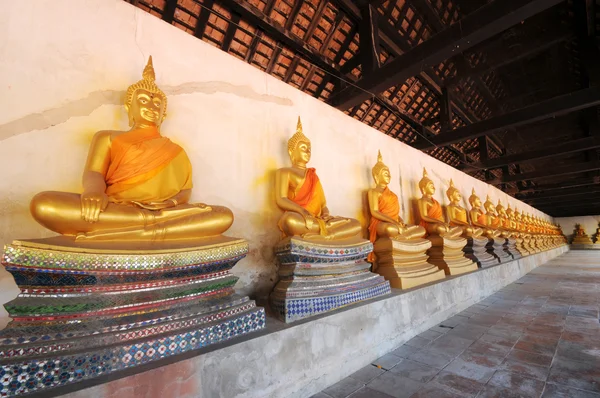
<point>505,90</point>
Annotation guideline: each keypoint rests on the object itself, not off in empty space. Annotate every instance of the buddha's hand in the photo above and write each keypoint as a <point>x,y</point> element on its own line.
<point>92,204</point>
<point>203,206</point>
<point>309,220</point>
<point>158,205</point>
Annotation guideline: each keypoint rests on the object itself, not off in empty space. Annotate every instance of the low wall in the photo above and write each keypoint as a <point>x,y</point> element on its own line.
<point>301,359</point>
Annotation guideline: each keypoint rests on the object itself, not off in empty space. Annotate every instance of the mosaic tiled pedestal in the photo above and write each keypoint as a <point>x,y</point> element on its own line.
<point>86,310</point>
<point>404,262</point>
<point>510,247</point>
<point>447,253</point>
<point>476,250</point>
<point>321,276</point>
<point>496,248</point>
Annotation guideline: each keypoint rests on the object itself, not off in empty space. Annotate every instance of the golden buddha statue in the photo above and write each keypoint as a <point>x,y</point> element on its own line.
<point>299,193</point>
<point>503,221</point>
<point>493,220</point>
<point>478,218</point>
<point>457,215</point>
<point>136,183</point>
<point>430,211</point>
<point>512,221</point>
<point>384,208</point>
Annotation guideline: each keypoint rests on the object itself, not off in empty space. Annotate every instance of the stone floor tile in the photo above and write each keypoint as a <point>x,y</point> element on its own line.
<point>450,345</point>
<point>560,391</point>
<point>431,358</point>
<point>579,351</point>
<point>531,357</point>
<point>404,351</point>
<point>387,361</point>
<point>454,321</point>
<point>519,384</point>
<point>549,331</point>
<point>470,370</point>
<point>484,320</point>
<point>555,309</point>
<point>366,392</point>
<point>430,335</point>
<point>415,370</point>
<point>507,331</point>
<point>584,312</point>
<point>343,388</point>
<point>490,391</point>
<point>441,329</point>
<point>321,395</point>
<point>580,337</point>
<point>468,331</point>
<point>538,345</point>
<point>395,385</point>
<point>366,374</point>
<point>525,369</point>
<point>417,342</point>
<point>456,384</point>
<point>491,349</point>
<point>434,392</point>
<point>499,340</point>
<point>581,375</point>
<point>489,361</point>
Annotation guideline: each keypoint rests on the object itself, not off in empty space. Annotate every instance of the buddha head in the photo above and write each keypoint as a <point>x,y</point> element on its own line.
<point>488,205</point>
<point>299,146</point>
<point>453,194</point>
<point>146,104</point>
<point>510,213</point>
<point>426,185</point>
<point>474,200</point>
<point>501,210</point>
<point>381,173</point>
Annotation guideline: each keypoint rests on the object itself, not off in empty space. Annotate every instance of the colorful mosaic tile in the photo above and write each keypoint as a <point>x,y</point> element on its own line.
<point>81,315</point>
<point>315,278</point>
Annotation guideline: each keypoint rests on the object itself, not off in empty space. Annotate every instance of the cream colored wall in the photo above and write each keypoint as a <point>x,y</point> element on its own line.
<point>589,224</point>
<point>64,66</point>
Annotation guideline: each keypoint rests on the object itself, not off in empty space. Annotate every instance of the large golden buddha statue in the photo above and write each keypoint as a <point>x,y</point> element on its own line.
<point>300,194</point>
<point>478,218</point>
<point>431,213</point>
<point>384,208</point>
<point>136,183</point>
<point>457,215</point>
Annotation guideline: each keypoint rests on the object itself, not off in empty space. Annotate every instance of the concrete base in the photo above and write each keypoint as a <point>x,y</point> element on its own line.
<point>496,247</point>
<point>404,262</point>
<point>476,250</point>
<point>447,254</point>
<point>296,361</point>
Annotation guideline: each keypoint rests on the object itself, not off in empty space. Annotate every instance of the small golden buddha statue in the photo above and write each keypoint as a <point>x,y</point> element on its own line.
<point>511,219</point>
<point>136,184</point>
<point>478,218</point>
<point>300,195</point>
<point>384,208</point>
<point>457,215</point>
<point>430,211</point>
<point>490,214</point>
<point>504,222</point>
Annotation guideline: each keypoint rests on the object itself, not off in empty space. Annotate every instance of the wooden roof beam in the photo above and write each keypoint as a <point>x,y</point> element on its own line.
<point>559,171</point>
<point>478,26</point>
<point>556,106</point>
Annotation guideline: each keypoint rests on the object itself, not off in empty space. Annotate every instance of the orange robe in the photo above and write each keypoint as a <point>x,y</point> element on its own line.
<point>388,205</point>
<point>311,197</point>
<point>482,219</point>
<point>145,166</point>
<point>435,211</point>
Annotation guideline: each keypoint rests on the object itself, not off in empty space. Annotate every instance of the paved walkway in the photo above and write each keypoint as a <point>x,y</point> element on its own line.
<point>538,337</point>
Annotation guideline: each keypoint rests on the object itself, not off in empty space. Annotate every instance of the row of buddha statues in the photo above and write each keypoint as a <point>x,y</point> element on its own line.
<point>134,230</point>
<point>137,186</point>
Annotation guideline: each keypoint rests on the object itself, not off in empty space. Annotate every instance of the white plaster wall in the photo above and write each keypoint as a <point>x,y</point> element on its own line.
<point>589,223</point>
<point>64,66</point>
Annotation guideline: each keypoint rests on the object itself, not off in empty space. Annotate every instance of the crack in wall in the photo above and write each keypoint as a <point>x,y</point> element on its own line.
<point>85,106</point>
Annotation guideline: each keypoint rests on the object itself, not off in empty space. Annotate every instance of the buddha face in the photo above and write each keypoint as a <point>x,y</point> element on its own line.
<point>147,108</point>
<point>384,176</point>
<point>502,213</point>
<point>301,154</point>
<point>456,197</point>
<point>489,207</point>
<point>429,189</point>
<point>476,202</point>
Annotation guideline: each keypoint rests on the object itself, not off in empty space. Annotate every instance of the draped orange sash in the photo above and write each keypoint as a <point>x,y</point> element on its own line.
<point>136,156</point>
<point>495,222</point>
<point>482,219</point>
<point>310,195</point>
<point>388,205</point>
<point>435,211</point>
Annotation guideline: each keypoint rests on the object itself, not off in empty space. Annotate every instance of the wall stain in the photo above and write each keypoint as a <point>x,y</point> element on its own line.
<point>86,105</point>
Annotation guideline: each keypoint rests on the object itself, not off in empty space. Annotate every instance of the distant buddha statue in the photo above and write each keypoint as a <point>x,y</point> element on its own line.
<point>493,220</point>
<point>479,219</point>
<point>136,184</point>
<point>384,208</point>
<point>504,222</point>
<point>512,222</point>
<point>457,215</point>
<point>300,195</point>
<point>431,213</point>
